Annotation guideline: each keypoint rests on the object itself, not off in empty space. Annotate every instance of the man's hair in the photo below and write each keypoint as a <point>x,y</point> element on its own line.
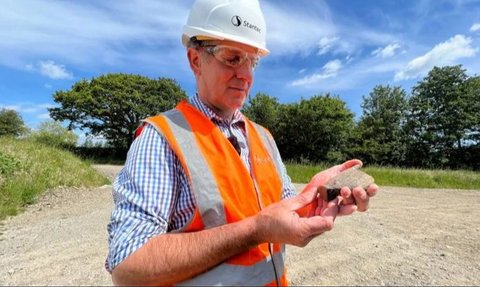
<point>194,43</point>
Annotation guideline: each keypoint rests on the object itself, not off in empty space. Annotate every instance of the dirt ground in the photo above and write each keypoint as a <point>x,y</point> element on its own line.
<point>408,237</point>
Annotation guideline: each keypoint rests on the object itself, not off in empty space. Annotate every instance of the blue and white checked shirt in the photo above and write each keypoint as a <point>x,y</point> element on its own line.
<point>152,194</point>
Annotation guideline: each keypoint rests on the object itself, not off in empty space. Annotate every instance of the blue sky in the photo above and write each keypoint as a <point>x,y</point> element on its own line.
<point>338,46</point>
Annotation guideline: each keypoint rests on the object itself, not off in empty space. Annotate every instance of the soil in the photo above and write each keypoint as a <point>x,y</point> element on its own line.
<point>407,237</point>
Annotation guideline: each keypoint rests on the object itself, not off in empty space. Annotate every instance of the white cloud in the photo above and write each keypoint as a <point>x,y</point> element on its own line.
<point>91,33</point>
<point>475,27</point>
<point>326,44</point>
<point>54,71</point>
<point>387,51</point>
<point>302,34</point>
<point>47,86</point>
<point>28,108</point>
<point>45,116</point>
<point>442,54</point>
<point>332,67</point>
<point>373,66</point>
<point>329,70</point>
<point>46,106</point>
<point>315,30</point>
<point>10,107</point>
<point>50,69</point>
<point>29,67</point>
<point>349,59</point>
<point>86,35</point>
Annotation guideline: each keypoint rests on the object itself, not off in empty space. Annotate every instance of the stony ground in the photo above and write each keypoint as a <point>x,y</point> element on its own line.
<point>408,237</point>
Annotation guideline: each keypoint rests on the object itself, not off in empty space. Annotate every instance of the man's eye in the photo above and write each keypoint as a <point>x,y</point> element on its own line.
<point>233,60</point>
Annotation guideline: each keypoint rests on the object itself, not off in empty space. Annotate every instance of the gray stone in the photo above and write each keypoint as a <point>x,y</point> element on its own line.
<point>351,178</point>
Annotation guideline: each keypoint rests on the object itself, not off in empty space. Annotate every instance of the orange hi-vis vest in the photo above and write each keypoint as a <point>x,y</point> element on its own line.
<point>225,191</point>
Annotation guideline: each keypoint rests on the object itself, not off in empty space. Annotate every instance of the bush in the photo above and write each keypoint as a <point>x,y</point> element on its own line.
<point>53,134</point>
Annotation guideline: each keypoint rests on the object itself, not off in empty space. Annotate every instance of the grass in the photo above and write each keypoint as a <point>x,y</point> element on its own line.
<point>28,169</point>
<point>419,178</point>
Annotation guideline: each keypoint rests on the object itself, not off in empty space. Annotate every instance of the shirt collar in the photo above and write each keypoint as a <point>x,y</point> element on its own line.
<point>207,111</point>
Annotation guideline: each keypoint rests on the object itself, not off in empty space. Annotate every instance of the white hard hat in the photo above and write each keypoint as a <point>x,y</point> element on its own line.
<point>235,20</point>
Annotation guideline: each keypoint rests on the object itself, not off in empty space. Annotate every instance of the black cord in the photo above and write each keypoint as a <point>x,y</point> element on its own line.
<point>273,262</point>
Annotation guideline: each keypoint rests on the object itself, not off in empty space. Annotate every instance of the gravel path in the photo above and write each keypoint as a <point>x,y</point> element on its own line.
<point>408,237</point>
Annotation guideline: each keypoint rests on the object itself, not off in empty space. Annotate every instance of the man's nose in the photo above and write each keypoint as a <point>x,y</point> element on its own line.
<point>245,72</point>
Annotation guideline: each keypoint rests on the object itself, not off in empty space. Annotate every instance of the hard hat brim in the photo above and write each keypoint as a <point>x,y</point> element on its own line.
<point>189,32</point>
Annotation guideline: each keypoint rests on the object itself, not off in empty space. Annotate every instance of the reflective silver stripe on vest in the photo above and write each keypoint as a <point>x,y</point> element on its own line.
<point>258,274</point>
<point>210,204</point>
<point>271,147</point>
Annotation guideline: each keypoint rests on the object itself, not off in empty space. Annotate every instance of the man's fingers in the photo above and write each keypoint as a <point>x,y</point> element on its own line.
<point>324,222</point>
<point>319,224</point>
<point>372,189</point>
<point>334,170</point>
<point>331,211</point>
<point>361,198</point>
<point>351,163</point>
<point>347,196</point>
<point>347,209</point>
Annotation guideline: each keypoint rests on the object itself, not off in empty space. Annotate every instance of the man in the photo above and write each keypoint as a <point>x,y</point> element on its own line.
<point>204,198</point>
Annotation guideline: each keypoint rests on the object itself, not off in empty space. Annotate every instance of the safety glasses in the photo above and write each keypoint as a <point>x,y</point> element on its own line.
<point>233,57</point>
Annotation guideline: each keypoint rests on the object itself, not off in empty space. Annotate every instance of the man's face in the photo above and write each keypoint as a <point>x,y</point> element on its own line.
<point>224,75</point>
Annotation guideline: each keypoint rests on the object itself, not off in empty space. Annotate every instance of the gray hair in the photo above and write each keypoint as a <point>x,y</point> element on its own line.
<point>193,43</point>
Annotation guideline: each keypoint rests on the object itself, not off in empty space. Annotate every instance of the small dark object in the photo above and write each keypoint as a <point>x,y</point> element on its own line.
<point>236,145</point>
<point>351,178</point>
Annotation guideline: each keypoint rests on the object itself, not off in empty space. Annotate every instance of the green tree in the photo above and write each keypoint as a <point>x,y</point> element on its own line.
<point>472,92</point>
<point>112,105</point>
<point>440,116</point>
<point>469,154</point>
<point>11,123</point>
<point>263,109</point>
<point>381,138</point>
<point>316,129</point>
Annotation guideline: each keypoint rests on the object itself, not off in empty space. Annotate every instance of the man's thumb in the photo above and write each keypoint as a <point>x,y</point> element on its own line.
<point>303,199</point>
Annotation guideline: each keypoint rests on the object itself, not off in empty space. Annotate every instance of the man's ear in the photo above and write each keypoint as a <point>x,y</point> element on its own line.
<point>194,60</point>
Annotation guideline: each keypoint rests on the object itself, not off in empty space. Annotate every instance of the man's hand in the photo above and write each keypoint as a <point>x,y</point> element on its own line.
<point>280,222</point>
<point>350,200</point>
<point>299,219</point>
